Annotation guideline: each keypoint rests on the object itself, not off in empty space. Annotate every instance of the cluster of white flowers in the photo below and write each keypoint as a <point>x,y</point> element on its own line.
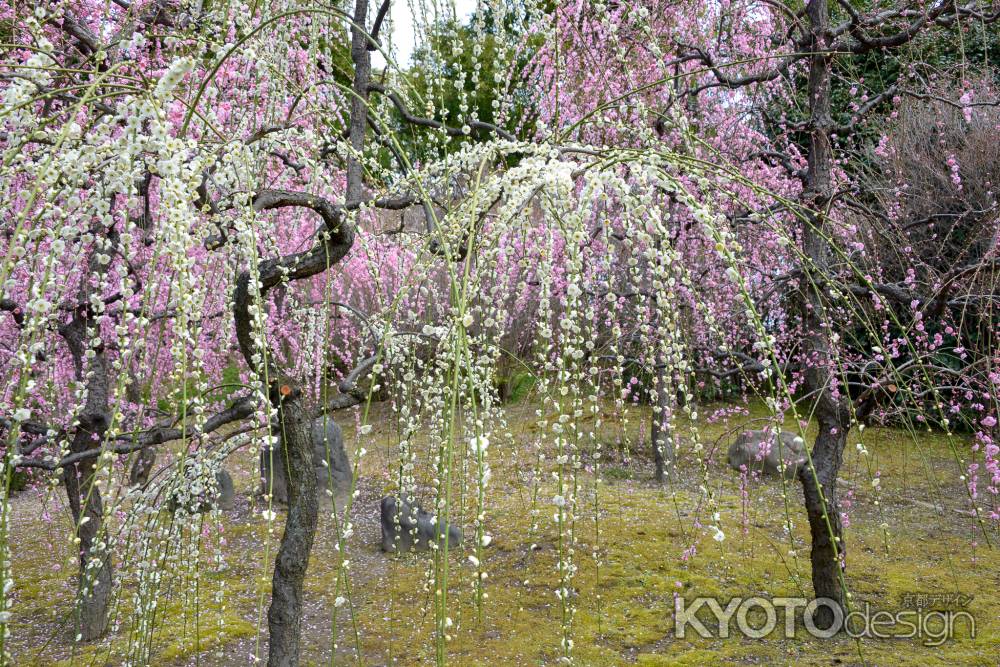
<point>478,445</point>
<point>177,71</point>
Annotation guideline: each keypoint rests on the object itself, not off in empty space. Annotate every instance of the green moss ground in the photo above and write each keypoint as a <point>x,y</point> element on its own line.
<point>624,606</point>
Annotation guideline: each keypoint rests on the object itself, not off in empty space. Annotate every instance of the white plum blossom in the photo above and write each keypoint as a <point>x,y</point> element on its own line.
<point>479,444</point>
<point>172,77</point>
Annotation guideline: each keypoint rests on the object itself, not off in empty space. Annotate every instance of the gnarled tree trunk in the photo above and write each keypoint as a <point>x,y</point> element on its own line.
<point>819,481</point>
<point>828,550</point>
<point>284,616</point>
<point>94,593</point>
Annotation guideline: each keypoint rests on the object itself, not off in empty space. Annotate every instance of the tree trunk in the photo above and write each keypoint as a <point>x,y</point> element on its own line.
<point>284,616</point>
<point>832,408</point>
<point>91,618</point>
<point>87,506</point>
<point>94,591</point>
<point>361,57</point>
<point>828,552</point>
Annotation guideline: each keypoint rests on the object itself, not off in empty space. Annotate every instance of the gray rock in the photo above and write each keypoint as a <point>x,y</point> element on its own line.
<point>142,466</point>
<point>275,485</point>
<point>759,452</point>
<point>330,456</point>
<point>407,527</point>
<point>221,494</point>
<point>227,491</point>
<point>328,448</point>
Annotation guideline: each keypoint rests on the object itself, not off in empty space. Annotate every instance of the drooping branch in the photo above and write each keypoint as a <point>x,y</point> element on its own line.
<point>404,111</point>
<point>239,410</point>
<point>350,395</point>
<point>336,239</point>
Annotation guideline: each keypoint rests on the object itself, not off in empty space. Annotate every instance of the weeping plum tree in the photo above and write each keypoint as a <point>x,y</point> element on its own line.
<point>729,68</point>
<point>838,401</point>
<point>142,153</point>
<point>195,188</point>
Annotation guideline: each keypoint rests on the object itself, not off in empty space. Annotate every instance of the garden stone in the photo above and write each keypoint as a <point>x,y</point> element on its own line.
<point>758,451</point>
<point>221,494</point>
<point>227,491</point>
<point>329,458</point>
<point>407,527</point>
<point>142,466</point>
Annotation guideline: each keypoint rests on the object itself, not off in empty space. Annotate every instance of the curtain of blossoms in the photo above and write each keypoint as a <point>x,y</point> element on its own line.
<point>192,248</point>
<point>811,275</point>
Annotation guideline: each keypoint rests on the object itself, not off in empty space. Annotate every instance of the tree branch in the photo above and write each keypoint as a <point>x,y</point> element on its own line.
<point>241,409</point>
<point>401,107</point>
